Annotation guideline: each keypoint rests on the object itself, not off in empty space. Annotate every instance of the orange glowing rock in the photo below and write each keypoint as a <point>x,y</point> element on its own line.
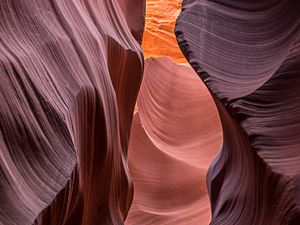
<point>159,38</point>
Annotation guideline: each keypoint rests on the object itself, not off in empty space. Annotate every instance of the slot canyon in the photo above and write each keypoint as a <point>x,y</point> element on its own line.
<point>149,112</point>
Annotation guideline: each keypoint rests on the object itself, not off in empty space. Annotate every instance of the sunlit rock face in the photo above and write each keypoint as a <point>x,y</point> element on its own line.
<point>70,75</point>
<point>159,38</point>
<point>174,137</point>
<point>176,130</point>
<point>248,55</point>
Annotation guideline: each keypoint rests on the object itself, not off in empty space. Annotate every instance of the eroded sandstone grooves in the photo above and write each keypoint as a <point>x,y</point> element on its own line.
<point>66,109</point>
<point>248,54</point>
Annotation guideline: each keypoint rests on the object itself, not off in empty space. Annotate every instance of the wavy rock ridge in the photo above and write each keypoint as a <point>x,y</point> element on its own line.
<point>175,135</point>
<point>66,110</point>
<point>248,55</point>
<point>175,132</point>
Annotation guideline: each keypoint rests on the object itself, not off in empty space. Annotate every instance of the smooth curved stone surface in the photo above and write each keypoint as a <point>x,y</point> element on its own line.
<point>175,134</point>
<point>70,75</point>
<point>248,55</point>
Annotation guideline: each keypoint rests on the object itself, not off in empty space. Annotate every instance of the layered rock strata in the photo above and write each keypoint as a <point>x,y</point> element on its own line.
<point>66,109</point>
<point>248,55</point>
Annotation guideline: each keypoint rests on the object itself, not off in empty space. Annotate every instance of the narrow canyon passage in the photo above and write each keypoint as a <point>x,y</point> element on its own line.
<point>156,112</point>
<point>176,131</point>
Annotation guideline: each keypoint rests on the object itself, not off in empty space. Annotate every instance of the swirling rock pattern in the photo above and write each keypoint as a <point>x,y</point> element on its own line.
<point>66,109</point>
<point>175,135</point>
<point>248,55</point>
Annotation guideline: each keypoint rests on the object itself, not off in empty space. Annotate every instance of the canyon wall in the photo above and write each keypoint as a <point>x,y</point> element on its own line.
<point>66,109</point>
<point>248,55</point>
<point>159,38</point>
<point>175,135</point>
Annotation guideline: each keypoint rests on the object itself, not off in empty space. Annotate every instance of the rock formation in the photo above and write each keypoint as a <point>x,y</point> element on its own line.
<point>71,71</point>
<point>175,135</point>
<point>248,55</point>
<point>159,37</point>
<point>66,109</point>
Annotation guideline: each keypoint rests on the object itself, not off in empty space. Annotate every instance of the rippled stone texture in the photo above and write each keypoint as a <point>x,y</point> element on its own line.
<point>66,109</point>
<point>248,54</point>
<point>159,38</point>
<point>175,135</point>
